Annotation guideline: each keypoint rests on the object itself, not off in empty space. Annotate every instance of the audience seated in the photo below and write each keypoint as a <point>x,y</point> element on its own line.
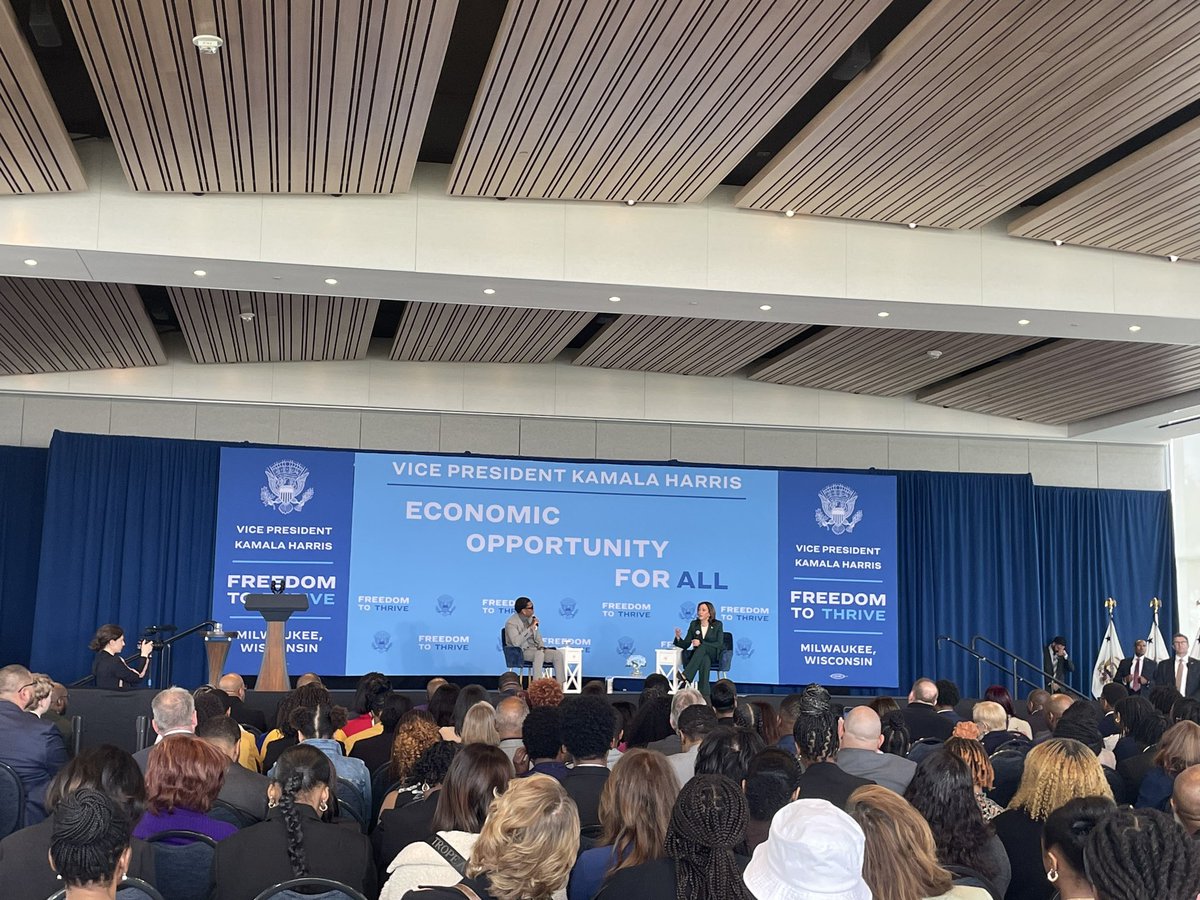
<point>478,773</point>
<point>25,868</point>
<point>943,791</point>
<point>1110,695</point>
<point>696,722</point>
<point>789,708</point>
<point>211,703</point>
<point>651,722</point>
<point>544,692</point>
<point>510,718</point>
<point>415,734</point>
<point>1178,749</point>
<point>635,808</point>
<point>772,782</point>
<point>972,753</point>
<point>184,775</point>
<point>814,850</point>
<point>370,694</point>
<point>1056,771</point>
<point>587,726</point>
<point>294,841</point>
<point>431,687</point>
<point>723,698</point>
<point>727,751</point>
<point>896,739</point>
<point>859,753</point>
<point>542,744</point>
<point>993,723</point>
<point>242,788</point>
<point>1135,854</point>
<point>467,698</point>
<point>1142,727</point>
<point>316,726</point>
<point>818,733</point>
<point>57,713</point>
<point>999,694</point>
<point>309,695</point>
<point>235,688</point>
<point>1186,709</point>
<point>89,844</point>
<point>948,699</point>
<point>526,849</point>
<point>900,859</point>
<point>1035,713</point>
<point>921,714</point>
<point>1055,707</point>
<point>1080,723</point>
<point>1163,698</point>
<point>376,751</point>
<point>1063,838</point>
<point>655,685</point>
<point>412,818</point>
<point>441,706</point>
<point>1185,801</point>
<point>479,725</point>
<point>32,746</point>
<point>768,723</point>
<point>672,744</point>
<point>708,824</point>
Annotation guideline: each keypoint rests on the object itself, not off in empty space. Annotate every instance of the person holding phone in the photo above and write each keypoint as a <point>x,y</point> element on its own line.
<point>701,645</point>
<point>110,671</point>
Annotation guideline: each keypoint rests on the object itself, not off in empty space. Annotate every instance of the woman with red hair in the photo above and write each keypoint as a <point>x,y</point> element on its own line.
<point>183,777</point>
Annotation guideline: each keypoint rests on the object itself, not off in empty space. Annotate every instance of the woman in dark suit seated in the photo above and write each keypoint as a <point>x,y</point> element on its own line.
<point>89,845</point>
<point>110,671</point>
<point>293,842</point>
<point>701,645</point>
<point>24,856</point>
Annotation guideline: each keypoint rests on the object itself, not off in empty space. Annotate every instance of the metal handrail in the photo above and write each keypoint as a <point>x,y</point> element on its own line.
<point>1020,659</point>
<point>980,659</point>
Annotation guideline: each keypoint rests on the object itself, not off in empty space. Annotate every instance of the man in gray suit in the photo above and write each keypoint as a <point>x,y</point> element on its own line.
<point>859,754</point>
<point>174,713</point>
<point>521,630</point>
<point>242,788</point>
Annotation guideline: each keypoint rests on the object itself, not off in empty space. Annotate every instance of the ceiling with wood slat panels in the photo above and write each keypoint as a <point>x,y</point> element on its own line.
<point>72,326</point>
<point>455,332</point>
<point>1145,203</point>
<point>285,327</point>
<point>881,361</point>
<point>627,100</point>
<point>306,96</point>
<point>36,154</point>
<point>975,107</point>
<point>683,346</point>
<point>1069,381</point>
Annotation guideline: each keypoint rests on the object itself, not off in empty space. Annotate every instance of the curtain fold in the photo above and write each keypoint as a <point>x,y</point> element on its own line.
<point>22,500</point>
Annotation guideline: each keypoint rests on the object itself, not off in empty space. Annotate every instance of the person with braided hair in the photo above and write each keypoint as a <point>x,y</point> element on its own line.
<point>1063,839</point>
<point>294,841</point>
<point>818,732</point>
<point>89,845</point>
<point>318,726</point>
<point>707,823</point>
<point>1138,853</point>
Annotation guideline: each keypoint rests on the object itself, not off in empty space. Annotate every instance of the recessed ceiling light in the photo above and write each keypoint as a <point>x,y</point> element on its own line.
<point>1173,258</point>
<point>1135,327</point>
<point>31,262</point>
<point>1057,242</point>
<point>630,202</point>
<point>1022,321</point>
<point>199,273</point>
<point>883,315</point>
<point>489,290</point>
<point>912,224</point>
<point>765,307</point>
<point>614,299</point>
<point>331,281</point>
<point>789,213</point>
<point>246,316</point>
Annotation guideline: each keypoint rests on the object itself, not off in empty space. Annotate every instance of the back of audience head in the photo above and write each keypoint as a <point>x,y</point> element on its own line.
<point>772,780</point>
<point>89,840</point>
<point>1179,748</point>
<point>183,772</point>
<point>989,716</point>
<point>1080,723</point>
<point>882,705</point>
<point>924,690</point>
<point>948,695</point>
<point>708,822</point>
<point>467,698</point>
<point>394,708</point>
<point>862,729</point>
<point>1063,838</point>
<point>1037,699</point>
<point>544,692</point>
<point>624,712</point>
<point>1138,718</point>
<point>1186,710</point>
<point>595,688</point>
<point>441,705</point>
<point>320,722</point>
<point>1132,854</point>
<point>310,695</point>
<point>998,693</point>
<point>210,703</point>
<point>173,709</point>
<point>587,728</point>
<point>1163,698</point>
<point>768,723</point>
<point>723,697</point>
<point>655,685</point>
<point>896,736</point>
<point>478,773</point>
<point>635,807</point>
<point>745,715</point>
<point>431,766</point>
<point>900,861</point>
<point>431,687</point>
<point>817,727</point>
<point>651,722</point>
<point>223,733</point>
<point>107,769</point>
<point>370,692</point>
<point>508,684</point>
<point>789,708</point>
<point>696,723</point>
<point>1057,771</point>
<point>414,734</point>
<point>975,756</point>
<point>1056,706</point>
<point>510,716</point>
<point>1111,693</point>
<point>684,698</point>
<point>479,726</point>
<point>302,775</point>
<point>541,733</point>
<point>1185,799</point>
<point>39,695</point>
<point>309,678</point>
<point>727,751</point>
<point>943,791</point>
<point>529,841</point>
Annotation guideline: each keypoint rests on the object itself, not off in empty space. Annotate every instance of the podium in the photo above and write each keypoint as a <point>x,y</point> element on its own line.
<point>216,648</point>
<point>276,609</point>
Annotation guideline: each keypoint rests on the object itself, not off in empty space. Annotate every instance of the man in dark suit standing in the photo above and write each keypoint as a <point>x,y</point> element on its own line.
<point>32,746</point>
<point>1056,663</point>
<point>1180,671</point>
<point>1137,671</point>
<point>921,714</point>
<point>233,685</point>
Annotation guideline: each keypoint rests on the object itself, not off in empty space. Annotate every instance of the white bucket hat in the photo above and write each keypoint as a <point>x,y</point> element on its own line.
<point>814,851</point>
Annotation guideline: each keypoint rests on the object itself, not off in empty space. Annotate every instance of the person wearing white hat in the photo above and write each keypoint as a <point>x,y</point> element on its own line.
<point>814,851</point>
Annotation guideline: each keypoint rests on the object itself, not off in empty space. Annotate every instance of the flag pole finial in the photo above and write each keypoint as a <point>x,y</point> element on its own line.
<point>1110,604</point>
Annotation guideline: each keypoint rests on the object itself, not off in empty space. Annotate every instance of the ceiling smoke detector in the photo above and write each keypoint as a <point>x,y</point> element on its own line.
<point>208,44</point>
<point>934,354</point>
<point>246,316</point>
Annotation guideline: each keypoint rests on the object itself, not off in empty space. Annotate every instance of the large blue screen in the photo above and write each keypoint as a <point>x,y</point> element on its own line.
<point>412,563</point>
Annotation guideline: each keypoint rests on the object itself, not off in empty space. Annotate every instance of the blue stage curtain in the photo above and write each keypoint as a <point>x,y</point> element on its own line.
<point>22,495</point>
<point>128,538</point>
<point>1095,544</point>
<point>968,565</point>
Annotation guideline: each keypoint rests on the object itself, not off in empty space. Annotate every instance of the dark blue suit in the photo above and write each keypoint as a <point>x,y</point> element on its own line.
<point>35,749</point>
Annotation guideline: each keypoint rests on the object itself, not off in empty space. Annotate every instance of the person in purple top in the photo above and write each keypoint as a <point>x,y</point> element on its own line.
<point>184,775</point>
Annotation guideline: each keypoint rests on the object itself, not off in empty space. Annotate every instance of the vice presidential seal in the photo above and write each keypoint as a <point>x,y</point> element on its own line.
<point>837,509</point>
<point>284,490</point>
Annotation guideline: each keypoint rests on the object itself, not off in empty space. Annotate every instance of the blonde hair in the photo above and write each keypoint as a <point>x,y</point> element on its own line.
<point>900,859</point>
<point>989,716</point>
<point>1057,771</point>
<point>975,756</point>
<point>1179,747</point>
<point>529,840</point>
<point>635,808</point>
<point>43,687</point>
<point>479,725</point>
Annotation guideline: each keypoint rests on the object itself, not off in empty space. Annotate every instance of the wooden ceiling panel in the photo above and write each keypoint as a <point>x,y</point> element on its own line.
<point>977,106</point>
<point>71,326</point>
<point>305,96</point>
<point>627,100</point>
<point>1145,203</point>
<point>284,327</point>
<point>683,346</point>
<point>455,332</point>
<point>36,154</point>
<point>1069,381</point>
<point>882,361</point>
